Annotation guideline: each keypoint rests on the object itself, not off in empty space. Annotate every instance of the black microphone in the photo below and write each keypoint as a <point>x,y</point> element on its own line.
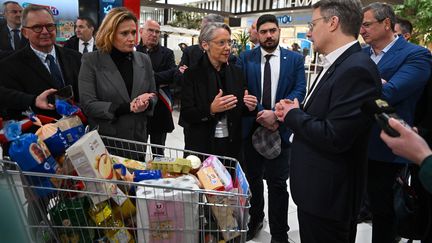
<point>382,112</point>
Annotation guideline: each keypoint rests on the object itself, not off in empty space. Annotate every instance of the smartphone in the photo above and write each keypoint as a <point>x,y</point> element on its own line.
<point>382,120</point>
<point>63,93</point>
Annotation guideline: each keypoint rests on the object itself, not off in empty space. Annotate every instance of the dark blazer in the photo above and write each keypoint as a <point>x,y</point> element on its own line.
<point>73,43</point>
<point>329,152</point>
<point>5,38</point>
<point>199,90</point>
<point>23,71</point>
<point>164,67</point>
<point>191,57</point>
<point>406,68</point>
<point>102,85</point>
<point>292,82</point>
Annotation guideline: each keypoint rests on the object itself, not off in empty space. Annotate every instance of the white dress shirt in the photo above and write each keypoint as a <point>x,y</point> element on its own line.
<point>376,57</point>
<point>89,46</point>
<point>42,56</point>
<point>275,70</point>
<point>11,35</point>
<point>328,60</point>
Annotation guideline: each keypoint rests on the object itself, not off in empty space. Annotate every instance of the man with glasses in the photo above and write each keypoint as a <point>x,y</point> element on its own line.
<point>83,41</point>
<point>164,67</point>
<point>191,57</point>
<point>11,38</point>
<point>41,65</point>
<point>404,69</point>
<point>272,73</point>
<point>329,150</point>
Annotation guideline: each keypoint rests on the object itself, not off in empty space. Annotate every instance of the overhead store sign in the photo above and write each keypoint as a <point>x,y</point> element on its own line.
<point>284,19</point>
<point>299,3</point>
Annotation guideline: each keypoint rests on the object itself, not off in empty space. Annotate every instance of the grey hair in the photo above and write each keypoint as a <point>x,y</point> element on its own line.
<point>349,13</point>
<point>212,18</point>
<point>33,8</point>
<point>207,32</point>
<point>381,11</point>
<point>7,3</point>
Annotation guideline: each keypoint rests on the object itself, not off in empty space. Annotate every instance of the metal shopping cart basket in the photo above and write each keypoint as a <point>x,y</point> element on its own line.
<point>72,211</point>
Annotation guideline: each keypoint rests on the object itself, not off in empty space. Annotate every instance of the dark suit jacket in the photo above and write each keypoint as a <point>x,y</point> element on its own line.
<point>406,68</point>
<point>23,71</point>
<point>292,82</point>
<point>5,37</point>
<point>329,151</point>
<point>73,43</point>
<point>102,85</point>
<point>199,90</point>
<point>164,68</point>
<point>191,57</point>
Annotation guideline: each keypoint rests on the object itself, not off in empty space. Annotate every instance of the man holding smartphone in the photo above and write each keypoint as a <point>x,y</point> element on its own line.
<point>39,67</point>
<point>404,69</point>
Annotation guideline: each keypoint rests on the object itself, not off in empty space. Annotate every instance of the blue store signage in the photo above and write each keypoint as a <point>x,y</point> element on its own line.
<point>284,19</point>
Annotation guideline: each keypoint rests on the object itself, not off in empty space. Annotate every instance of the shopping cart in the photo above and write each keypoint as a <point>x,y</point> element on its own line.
<point>142,212</point>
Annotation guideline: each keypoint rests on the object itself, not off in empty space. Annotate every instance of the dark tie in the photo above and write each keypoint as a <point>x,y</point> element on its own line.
<point>16,39</point>
<point>55,71</point>
<point>85,47</point>
<point>266,98</point>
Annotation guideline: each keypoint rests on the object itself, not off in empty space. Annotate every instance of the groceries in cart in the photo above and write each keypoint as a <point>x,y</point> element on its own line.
<point>92,192</point>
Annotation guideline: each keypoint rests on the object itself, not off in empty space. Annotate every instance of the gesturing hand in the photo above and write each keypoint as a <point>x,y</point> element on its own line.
<point>182,68</point>
<point>222,103</point>
<point>250,101</point>
<point>140,103</point>
<point>284,106</point>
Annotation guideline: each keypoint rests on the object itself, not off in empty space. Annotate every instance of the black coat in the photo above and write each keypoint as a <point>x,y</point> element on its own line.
<point>5,44</point>
<point>329,152</point>
<point>164,67</point>
<point>198,92</point>
<point>73,43</point>
<point>24,72</point>
<point>191,57</point>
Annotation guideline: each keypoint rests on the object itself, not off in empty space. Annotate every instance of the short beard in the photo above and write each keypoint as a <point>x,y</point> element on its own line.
<point>270,48</point>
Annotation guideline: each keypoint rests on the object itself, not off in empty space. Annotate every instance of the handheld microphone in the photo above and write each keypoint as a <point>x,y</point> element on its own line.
<point>382,112</point>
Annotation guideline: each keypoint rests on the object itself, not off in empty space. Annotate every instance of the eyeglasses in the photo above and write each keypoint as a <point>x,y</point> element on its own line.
<point>311,24</point>
<point>14,11</point>
<point>39,28</point>
<point>222,43</point>
<point>152,31</point>
<point>367,25</point>
<point>272,31</point>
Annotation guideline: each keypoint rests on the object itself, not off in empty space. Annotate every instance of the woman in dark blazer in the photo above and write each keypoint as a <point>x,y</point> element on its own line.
<point>214,97</point>
<point>116,84</point>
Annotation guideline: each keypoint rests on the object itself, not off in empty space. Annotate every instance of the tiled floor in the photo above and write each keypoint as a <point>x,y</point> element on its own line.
<point>364,231</point>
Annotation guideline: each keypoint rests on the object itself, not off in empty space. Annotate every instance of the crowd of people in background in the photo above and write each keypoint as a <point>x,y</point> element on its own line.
<point>253,107</point>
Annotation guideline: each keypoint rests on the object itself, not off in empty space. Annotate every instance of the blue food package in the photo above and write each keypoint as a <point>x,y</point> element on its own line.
<point>33,156</point>
<point>72,128</point>
<point>140,175</point>
<point>73,134</point>
<point>57,143</point>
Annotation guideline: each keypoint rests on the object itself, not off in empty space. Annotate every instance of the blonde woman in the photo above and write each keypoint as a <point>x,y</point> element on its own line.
<point>116,83</point>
